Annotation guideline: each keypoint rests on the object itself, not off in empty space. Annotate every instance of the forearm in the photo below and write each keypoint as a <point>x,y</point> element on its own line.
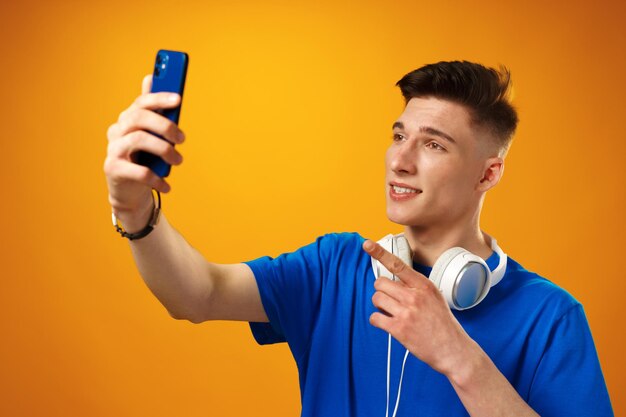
<point>483,389</point>
<point>176,273</point>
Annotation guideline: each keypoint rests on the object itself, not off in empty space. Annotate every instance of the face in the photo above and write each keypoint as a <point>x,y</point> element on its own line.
<point>437,153</point>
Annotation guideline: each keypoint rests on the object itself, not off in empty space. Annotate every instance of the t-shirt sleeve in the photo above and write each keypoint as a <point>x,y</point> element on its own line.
<point>568,380</point>
<point>290,287</point>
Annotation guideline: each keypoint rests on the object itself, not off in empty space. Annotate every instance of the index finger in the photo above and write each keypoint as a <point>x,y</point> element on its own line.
<point>146,84</point>
<point>395,265</point>
<point>156,101</point>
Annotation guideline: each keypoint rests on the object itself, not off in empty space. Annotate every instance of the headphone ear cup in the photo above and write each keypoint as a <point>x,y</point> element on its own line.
<point>442,263</point>
<point>397,245</point>
<point>403,250</point>
<point>462,277</point>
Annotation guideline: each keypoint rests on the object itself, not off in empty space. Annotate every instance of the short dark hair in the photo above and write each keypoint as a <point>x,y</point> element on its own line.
<point>484,91</point>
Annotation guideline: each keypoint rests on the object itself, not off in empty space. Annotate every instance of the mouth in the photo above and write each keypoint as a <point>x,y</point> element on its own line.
<point>400,188</point>
<point>404,190</point>
<point>401,192</point>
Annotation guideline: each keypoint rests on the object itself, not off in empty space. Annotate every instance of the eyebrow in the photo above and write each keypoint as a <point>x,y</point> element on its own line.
<point>429,130</point>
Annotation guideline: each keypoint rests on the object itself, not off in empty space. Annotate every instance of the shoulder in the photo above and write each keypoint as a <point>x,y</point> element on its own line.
<point>340,246</point>
<point>345,240</point>
<point>521,286</point>
<point>319,251</point>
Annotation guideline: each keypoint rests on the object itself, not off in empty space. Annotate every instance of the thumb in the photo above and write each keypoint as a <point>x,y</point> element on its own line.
<point>146,84</point>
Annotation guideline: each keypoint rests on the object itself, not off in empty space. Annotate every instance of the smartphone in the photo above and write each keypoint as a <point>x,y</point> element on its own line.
<point>170,71</point>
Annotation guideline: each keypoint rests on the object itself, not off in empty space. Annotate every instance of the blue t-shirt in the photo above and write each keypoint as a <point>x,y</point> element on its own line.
<point>318,300</point>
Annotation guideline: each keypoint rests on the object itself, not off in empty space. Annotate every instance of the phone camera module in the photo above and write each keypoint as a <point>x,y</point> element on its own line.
<point>160,66</point>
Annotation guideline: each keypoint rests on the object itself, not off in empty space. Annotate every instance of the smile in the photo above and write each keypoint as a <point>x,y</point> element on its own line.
<point>402,190</point>
<point>397,193</point>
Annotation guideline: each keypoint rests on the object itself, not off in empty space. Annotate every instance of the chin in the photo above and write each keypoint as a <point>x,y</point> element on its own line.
<point>402,216</point>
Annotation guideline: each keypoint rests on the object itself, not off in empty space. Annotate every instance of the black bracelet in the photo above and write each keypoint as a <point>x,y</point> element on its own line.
<point>154,219</point>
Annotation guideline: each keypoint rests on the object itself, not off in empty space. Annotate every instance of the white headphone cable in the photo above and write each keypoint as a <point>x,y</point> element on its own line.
<point>406,354</point>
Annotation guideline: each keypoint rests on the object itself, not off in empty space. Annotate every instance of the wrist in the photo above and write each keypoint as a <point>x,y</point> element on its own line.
<point>467,365</point>
<point>134,220</point>
<point>126,229</point>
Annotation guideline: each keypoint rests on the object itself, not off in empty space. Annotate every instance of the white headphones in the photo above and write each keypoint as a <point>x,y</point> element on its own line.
<point>462,277</point>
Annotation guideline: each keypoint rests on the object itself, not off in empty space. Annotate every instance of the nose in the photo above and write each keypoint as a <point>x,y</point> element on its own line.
<point>402,157</point>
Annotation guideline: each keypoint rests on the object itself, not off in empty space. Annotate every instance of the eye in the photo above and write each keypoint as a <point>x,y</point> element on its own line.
<point>436,146</point>
<point>397,137</point>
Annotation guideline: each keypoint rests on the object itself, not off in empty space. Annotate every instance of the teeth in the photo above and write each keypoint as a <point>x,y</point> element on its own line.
<point>402,190</point>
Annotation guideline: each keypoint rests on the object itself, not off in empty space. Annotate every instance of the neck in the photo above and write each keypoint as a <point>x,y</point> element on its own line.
<point>429,242</point>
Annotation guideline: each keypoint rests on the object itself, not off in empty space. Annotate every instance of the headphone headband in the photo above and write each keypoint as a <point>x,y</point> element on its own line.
<point>498,273</point>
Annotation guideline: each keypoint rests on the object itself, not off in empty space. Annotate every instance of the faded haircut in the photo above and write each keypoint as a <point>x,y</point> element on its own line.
<point>484,91</point>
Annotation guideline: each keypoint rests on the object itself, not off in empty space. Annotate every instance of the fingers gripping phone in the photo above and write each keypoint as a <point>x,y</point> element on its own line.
<point>170,71</point>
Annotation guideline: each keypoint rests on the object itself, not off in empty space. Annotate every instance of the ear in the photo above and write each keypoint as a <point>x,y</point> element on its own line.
<point>491,174</point>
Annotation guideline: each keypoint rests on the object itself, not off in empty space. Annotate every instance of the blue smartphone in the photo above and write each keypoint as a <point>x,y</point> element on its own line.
<point>170,71</point>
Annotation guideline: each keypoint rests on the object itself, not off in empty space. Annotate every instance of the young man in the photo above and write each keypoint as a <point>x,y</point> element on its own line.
<point>525,350</point>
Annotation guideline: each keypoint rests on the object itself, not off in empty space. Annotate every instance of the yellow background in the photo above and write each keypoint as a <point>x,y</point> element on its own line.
<point>288,113</point>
